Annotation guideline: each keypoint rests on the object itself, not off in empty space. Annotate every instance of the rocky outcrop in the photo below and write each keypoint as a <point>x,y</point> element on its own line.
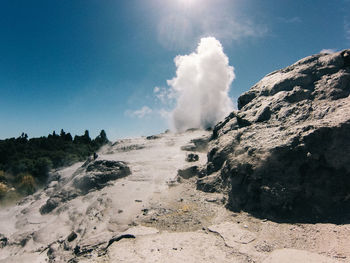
<point>189,172</point>
<point>93,175</point>
<point>286,152</point>
<point>99,173</point>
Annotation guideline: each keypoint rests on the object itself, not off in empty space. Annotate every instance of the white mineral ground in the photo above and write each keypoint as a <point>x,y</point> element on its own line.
<point>171,221</point>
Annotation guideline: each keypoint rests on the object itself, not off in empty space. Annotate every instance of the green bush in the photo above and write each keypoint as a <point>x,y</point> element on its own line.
<point>27,183</point>
<point>2,176</point>
<point>3,189</point>
<point>41,168</point>
<point>35,157</point>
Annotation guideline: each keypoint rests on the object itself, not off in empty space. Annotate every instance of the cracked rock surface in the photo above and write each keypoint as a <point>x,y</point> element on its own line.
<point>285,154</point>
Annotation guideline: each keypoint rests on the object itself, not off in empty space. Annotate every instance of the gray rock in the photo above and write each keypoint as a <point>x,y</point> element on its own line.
<point>54,177</point>
<point>99,173</point>
<point>153,137</point>
<point>210,184</point>
<point>72,236</point>
<point>197,145</point>
<point>3,241</point>
<point>192,157</point>
<point>93,175</point>
<point>51,252</point>
<point>118,238</point>
<point>63,196</point>
<point>285,153</point>
<point>189,172</point>
<point>189,147</point>
<point>50,205</point>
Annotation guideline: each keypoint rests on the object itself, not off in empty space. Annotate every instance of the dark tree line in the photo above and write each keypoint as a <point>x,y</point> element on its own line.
<point>25,163</point>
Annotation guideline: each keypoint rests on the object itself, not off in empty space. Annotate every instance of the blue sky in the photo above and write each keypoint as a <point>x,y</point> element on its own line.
<point>92,64</point>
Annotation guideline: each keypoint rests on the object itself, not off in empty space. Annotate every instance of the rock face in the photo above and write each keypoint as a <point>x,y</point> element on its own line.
<point>93,175</point>
<point>286,152</point>
<point>189,172</point>
<point>99,173</point>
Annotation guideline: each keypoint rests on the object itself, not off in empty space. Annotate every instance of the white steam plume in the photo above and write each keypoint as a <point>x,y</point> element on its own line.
<point>202,84</point>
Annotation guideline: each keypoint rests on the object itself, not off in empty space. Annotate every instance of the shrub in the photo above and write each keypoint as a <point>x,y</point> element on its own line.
<point>2,176</point>
<point>3,189</point>
<point>27,183</point>
<point>71,158</point>
<point>26,163</point>
<point>42,167</point>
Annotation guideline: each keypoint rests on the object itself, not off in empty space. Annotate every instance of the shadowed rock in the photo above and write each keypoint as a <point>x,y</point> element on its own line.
<point>99,173</point>
<point>192,157</point>
<point>3,241</point>
<point>285,154</point>
<point>118,238</point>
<point>72,236</point>
<point>197,145</point>
<point>50,205</point>
<point>153,137</point>
<point>93,175</point>
<point>189,172</point>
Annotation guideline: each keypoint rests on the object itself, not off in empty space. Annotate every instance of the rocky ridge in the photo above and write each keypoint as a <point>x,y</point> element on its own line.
<point>285,153</point>
<point>91,176</point>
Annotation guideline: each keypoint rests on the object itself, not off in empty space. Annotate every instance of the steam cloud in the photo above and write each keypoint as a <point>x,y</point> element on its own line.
<point>201,86</point>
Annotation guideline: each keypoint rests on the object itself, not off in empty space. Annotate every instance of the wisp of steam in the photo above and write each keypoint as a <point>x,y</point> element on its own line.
<point>202,83</point>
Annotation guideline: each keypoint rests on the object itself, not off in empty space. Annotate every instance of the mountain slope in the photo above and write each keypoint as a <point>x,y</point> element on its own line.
<point>78,200</point>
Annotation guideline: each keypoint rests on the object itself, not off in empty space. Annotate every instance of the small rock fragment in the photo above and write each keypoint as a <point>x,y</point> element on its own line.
<point>192,157</point>
<point>3,241</point>
<point>72,236</point>
<point>188,173</point>
<point>213,200</point>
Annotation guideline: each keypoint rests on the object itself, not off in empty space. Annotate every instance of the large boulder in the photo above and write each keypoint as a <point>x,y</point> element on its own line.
<point>91,176</point>
<point>285,154</point>
<point>99,173</point>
